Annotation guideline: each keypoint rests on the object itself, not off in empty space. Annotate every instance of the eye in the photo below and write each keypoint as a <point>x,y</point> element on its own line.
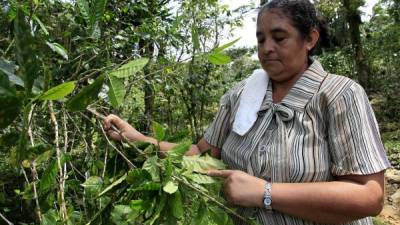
<point>279,39</point>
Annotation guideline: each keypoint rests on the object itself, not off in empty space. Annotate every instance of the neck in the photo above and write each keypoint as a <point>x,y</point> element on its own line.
<point>281,88</point>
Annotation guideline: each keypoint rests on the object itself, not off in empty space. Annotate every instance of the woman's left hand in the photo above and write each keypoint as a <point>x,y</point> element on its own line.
<point>241,188</point>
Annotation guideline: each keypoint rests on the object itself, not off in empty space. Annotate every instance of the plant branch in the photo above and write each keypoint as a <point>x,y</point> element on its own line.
<point>63,207</point>
<point>5,219</point>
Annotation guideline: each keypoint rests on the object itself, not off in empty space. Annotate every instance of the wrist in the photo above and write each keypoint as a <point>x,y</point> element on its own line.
<point>267,197</point>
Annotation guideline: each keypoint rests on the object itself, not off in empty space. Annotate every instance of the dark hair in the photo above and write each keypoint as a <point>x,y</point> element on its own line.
<point>304,17</point>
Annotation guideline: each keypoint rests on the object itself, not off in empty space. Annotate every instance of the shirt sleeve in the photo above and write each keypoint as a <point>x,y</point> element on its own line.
<point>353,136</point>
<point>219,129</point>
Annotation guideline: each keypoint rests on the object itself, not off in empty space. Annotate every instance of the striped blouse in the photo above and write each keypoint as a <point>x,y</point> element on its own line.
<point>324,127</point>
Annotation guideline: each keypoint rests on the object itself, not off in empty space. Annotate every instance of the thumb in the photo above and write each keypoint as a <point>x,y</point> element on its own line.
<point>219,173</point>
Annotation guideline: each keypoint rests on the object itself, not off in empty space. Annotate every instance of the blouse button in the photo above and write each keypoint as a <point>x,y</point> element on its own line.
<point>263,148</point>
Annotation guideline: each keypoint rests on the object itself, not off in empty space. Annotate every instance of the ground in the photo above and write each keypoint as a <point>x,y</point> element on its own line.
<point>390,214</point>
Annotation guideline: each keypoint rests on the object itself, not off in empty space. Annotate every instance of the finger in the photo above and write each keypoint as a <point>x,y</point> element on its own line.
<point>219,173</point>
<point>114,135</point>
<point>111,120</point>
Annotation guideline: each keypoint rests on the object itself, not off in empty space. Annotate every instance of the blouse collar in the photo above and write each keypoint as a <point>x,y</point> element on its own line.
<point>304,89</point>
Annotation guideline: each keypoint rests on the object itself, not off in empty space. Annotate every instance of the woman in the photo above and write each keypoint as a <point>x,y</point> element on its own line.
<point>308,151</point>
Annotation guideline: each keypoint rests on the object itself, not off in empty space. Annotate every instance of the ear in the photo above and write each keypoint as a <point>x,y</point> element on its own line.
<point>312,39</point>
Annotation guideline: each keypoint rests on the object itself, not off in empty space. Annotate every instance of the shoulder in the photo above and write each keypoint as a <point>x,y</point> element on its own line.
<point>336,87</point>
<point>232,95</point>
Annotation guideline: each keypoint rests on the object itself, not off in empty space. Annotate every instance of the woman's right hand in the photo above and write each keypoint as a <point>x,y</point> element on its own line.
<point>125,129</point>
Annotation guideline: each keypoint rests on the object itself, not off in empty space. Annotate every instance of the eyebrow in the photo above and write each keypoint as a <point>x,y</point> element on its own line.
<point>275,30</point>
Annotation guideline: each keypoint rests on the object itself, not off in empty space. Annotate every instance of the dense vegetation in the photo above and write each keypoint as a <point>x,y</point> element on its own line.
<point>146,60</point>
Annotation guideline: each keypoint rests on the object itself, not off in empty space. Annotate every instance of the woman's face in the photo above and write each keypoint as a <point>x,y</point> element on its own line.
<point>281,49</point>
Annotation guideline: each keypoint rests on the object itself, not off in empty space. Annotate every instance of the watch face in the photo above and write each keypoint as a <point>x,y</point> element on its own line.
<point>267,201</point>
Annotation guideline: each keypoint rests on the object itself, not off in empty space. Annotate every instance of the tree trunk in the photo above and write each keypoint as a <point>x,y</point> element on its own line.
<point>354,21</point>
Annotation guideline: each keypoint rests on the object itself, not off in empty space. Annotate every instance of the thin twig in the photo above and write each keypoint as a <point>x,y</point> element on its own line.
<point>63,207</point>
<point>130,164</point>
<point>5,219</point>
<point>33,165</point>
<point>35,195</point>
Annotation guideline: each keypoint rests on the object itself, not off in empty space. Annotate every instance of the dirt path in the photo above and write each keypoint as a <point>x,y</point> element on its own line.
<point>390,214</point>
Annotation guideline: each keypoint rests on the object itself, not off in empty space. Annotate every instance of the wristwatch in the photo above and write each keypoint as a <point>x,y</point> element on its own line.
<point>267,196</point>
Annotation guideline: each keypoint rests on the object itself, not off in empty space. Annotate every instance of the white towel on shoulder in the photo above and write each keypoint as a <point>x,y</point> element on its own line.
<point>250,101</point>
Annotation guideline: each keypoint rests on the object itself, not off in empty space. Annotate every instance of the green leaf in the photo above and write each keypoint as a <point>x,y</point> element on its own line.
<point>136,204</point>
<point>114,184</point>
<point>84,9</point>
<point>44,157</point>
<point>93,185</point>
<point>26,51</point>
<point>42,26</point>
<point>201,179</point>
<point>218,58</point>
<point>202,164</point>
<point>5,88</point>
<point>59,49</point>
<point>10,104</point>
<point>138,176</point>
<point>218,216</point>
<point>159,208</point>
<point>50,217</point>
<point>123,214</point>
<point>97,11</point>
<point>225,46</point>
<point>9,69</point>
<point>170,187</point>
<point>150,165</point>
<point>130,68</point>
<point>158,131</point>
<point>48,178</point>
<point>201,216</point>
<point>86,96</point>
<point>59,91</point>
<point>176,205</point>
<point>116,92</point>
<point>176,153</point>
<point>148,186</point>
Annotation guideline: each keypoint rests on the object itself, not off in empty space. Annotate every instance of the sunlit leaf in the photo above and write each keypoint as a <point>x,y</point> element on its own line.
<point>170,187</point>
<point>130,68</point>
<point>177,152</point>
<point>84,9</point>
<point>150,165</point>
<point>225,46</point>
<point>42,26</point>
<point>116,92</point>
<point>86,96</point>
<point>158,131</point>
<point>202,164</point>
<point>201,179</point>
<point>57,48</point>
<point>218,58</point>
<point>58,92</point>
<point>148,186</point>
<point>50,217</point>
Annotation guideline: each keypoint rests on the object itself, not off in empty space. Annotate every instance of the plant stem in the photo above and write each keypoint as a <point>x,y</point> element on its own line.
<point>5,219</point>
<point>63,207</point>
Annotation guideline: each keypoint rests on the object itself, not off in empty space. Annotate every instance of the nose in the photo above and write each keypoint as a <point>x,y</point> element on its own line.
<point>267,46</point>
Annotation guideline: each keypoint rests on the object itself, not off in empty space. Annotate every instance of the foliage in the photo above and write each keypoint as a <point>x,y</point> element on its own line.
<point>158,60</point>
